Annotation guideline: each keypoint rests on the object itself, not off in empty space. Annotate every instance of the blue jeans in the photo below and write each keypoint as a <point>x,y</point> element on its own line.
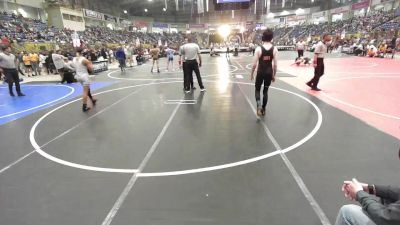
<point>353,215</point>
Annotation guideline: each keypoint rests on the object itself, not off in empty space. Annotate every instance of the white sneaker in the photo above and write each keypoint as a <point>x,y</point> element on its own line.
<point>203,89</point>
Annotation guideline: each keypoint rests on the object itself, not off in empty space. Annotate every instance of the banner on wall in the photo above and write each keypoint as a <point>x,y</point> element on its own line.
<point>160,25</point>
<point>125,22</point>
<point>198,26</point>
<point>92,14</point>
<point>340,10</point>
<point>319,14</point>
<point>141,23</point>
<point>360,5</point>
<point>296,18</point>
<point>110,18</point>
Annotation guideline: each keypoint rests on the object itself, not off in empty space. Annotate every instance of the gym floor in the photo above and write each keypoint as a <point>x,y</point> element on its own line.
<point>148,154</point>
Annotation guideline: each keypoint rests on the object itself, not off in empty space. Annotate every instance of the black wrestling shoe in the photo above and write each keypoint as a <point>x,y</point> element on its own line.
<point>259,111</point>
<point>309,84</point>
<point>85,108</point>
<point>12,94</point>
<point>316,89</point>
<point>21,94</point>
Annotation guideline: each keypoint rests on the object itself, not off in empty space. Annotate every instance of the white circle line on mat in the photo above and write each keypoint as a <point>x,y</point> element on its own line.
<point>163,79</point>
<point>171,173</point>
<point>251,160</point>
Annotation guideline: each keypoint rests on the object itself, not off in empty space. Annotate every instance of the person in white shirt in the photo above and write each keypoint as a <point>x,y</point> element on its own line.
<point>82,68</point>
<point>58,61</point>
<point>320,51</point>
<point>300,47</point>
<point>42,62</point>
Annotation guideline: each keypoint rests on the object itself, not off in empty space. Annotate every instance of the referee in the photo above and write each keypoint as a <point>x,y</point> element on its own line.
<point>320,51</point>
<point>8,66</point>
<point>190,52</point>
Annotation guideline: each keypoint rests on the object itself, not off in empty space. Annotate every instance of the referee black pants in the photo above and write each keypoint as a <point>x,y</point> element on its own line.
<point>189,67</point>
<point>12,77</point>
<point>300,53</point>
<point>318,72</point>
<point>184,75</point>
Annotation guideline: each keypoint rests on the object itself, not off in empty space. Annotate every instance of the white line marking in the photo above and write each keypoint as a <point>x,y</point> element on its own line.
<point>359,107</point>
<point>224,166</point>
<point>239,76</point>
<point>16,162</point>
<point>235,68</point>
<point>132,181</point>
<point>352,73</point>
<point>67,163</point>
<point>183,100</point>
<point>314,204</point>
<point>240,65</point>
<point>180,103</point>
<point>39,106</point>
<point>251,160</point>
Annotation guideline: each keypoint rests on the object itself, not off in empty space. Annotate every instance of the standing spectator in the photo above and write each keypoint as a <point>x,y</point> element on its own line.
<point>27,63</point>
<point>42,62</point>
<point>58,61</point>
<point>155,54</point>
<point>35,63</point>
<point>49,63</point>
<point>110,56</point>
<point>8,67</point>
<point>121,57</point>
<point>21,62</point>
<point>129,55</point>
<point>393,46</point>
<point>103,53</point>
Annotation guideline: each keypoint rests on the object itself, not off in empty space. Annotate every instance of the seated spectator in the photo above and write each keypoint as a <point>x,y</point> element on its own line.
<point>372,211</point>
<point>382,49</point>
<point>372,51</point>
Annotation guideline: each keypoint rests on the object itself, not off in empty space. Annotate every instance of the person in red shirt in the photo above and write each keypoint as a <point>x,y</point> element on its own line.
<point>5,40</point>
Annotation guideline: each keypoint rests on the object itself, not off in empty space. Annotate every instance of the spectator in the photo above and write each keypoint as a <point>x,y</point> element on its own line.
<point>35,63</point>
<point>372,211</point>
<point>27,63</point>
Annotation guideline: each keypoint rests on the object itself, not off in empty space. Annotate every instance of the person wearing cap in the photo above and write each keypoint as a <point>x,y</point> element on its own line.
<point>8,66</point>
<point>372,211</point>
<point>82,68</point>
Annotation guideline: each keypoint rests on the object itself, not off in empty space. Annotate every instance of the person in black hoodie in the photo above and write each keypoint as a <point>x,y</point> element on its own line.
<point>103,53</point>
<point>372,211</point>
<point>49,63</point>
